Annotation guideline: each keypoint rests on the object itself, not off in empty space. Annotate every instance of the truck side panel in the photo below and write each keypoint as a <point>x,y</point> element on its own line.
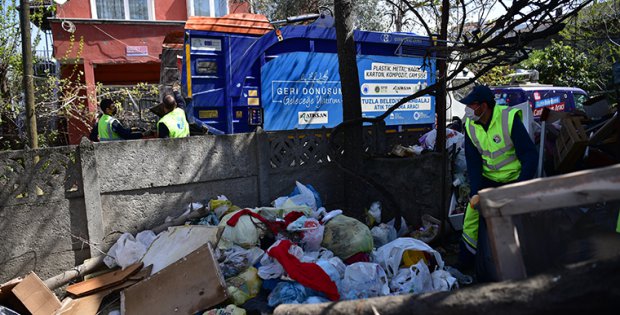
<point>239,81</point>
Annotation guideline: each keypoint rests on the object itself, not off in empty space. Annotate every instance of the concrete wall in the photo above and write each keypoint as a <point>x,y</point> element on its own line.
<point>173,174</point>
<point>56,202</point>
<point>40,210</point>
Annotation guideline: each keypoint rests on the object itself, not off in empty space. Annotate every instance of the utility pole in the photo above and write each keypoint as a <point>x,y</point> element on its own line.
<point>440,142</point>
<point>31,118</point>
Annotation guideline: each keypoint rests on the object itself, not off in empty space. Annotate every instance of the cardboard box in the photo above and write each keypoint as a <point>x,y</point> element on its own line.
<point>191,284</point>
<point>29,294</point>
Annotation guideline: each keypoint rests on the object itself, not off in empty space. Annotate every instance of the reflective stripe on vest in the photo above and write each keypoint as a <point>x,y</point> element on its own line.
<point>499,159</point>
<point>104,127</point>
<point>176,122</point>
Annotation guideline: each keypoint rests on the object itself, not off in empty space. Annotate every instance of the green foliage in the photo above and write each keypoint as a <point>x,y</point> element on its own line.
<point>590,45</point>
<point>561,65</point>
<point>130,101</point>
<point>10,56</point>
<point>279,10</point>
<point>11,72</point>
<point>57,100</point>
<point>370,13</point>
<point>596,33</point>
<point>497,76</point>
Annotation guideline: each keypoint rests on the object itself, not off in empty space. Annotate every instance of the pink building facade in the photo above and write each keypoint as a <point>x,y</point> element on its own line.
<point>122,41</point>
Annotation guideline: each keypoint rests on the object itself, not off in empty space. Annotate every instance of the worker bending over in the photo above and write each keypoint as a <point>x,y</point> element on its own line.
<point>498,151</point>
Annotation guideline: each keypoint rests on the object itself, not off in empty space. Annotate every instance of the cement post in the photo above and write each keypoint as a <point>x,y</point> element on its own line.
<point>263,164</point>
<point>92,196</point>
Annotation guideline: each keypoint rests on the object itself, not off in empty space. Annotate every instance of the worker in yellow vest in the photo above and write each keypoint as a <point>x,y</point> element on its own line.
<point>174,123</point>
<point>108,128</point>
<point>498,151</point>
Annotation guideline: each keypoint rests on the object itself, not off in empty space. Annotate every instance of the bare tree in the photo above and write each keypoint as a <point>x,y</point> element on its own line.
<point>474,39</point>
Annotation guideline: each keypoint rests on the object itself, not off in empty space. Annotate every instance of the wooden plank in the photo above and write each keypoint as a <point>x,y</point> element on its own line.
<point>178,242</point>
<point>104,281</point>
<point>505,248</point>
<point>189,285</point>
<point>574,189</point>
<point>8,299</point>
<point>142,274</point>
<point>37,298</point>
<point>570,145</point>
<point>88,305</point>
<point>5,288</point>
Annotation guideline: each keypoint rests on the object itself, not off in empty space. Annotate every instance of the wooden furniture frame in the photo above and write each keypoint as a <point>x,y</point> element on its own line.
<point>498,205</point>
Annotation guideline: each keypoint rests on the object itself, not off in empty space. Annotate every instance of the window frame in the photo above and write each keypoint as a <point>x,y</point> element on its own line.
<point>150,9</point>
<point>191,9</point>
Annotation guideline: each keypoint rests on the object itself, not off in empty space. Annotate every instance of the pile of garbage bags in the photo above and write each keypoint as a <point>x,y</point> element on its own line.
<point>298,252</point>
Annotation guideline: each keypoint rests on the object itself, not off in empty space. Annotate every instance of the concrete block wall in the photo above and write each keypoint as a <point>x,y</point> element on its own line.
<point>42,212</point>
<point>96,191</point>
<point>55,202</point>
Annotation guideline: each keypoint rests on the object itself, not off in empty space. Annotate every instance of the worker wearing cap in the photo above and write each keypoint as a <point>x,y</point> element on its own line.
<point>498,151</point>
<point>173,124</point>
<point>108,128</point>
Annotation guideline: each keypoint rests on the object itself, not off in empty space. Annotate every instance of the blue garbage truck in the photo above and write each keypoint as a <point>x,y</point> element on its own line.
<point>241,71</point>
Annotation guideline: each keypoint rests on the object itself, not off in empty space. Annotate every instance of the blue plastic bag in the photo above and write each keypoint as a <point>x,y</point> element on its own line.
<point>287,293</point>
<point>319,203</point>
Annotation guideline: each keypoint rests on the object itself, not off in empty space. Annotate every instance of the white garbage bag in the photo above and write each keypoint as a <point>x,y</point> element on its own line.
<point>418,279</point>
<point>383,234</point>
<point>128,250</point>
<point>390,255</point>
<point>415,279</point>
<point>374,213</point>
<point>364,280</point>
<point>304,198</point>
<point>443,281</point>
<point>404,229</point>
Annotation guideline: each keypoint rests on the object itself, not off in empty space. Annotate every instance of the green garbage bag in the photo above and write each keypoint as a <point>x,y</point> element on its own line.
<point>346,236</point>
<point>244,286</point>
<point>246,233</point>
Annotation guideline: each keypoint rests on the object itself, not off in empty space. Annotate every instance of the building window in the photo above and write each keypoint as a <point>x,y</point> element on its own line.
<point>213,8</point>
<point>122,9</point>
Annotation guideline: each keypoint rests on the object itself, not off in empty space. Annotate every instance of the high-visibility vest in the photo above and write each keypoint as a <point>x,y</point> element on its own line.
<point>470,228</point>
<point>499,161</point>
<point>177,124</point>
<point>104,127</point>
<point>499,158</point>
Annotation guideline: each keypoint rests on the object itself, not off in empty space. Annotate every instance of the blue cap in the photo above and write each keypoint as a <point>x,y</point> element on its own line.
<point>480,93</point>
